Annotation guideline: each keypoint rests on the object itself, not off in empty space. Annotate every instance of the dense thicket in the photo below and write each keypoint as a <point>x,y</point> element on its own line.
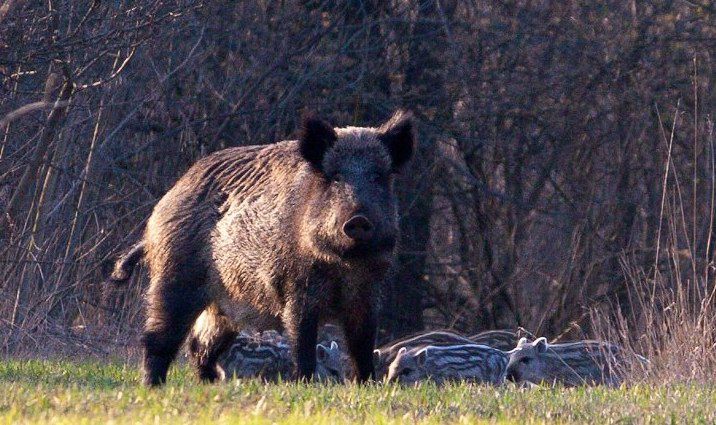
<point>560,142</point>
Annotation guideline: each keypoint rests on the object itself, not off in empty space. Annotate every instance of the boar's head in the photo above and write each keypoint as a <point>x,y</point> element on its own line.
<point>351,210</point>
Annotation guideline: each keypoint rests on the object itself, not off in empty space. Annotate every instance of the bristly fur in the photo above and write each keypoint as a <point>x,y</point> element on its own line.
<point>469,362</point>
<point>502,339</point>
<point>255,236</point>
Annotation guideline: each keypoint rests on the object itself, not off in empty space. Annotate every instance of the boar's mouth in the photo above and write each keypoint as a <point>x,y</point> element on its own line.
<point>374,248</point>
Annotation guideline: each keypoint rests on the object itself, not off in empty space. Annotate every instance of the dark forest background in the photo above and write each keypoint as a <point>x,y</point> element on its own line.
<point>566,157</point>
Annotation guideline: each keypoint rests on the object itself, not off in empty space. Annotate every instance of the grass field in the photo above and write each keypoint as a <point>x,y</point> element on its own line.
<point>65,392</point>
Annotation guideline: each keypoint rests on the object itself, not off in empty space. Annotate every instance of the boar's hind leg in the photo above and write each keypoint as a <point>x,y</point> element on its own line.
<point>173,305</point>
<point>360,337</point>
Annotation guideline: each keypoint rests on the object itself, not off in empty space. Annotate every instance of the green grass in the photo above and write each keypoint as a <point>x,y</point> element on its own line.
<point>72,393</point>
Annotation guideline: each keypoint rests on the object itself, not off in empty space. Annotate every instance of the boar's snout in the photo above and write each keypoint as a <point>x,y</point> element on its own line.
<point>359,228</point>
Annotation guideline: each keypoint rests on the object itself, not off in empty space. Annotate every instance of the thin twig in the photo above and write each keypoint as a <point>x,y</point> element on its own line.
<point>29,108</point>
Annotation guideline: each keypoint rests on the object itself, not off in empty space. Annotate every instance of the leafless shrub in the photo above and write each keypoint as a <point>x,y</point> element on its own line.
<point>671,316</point>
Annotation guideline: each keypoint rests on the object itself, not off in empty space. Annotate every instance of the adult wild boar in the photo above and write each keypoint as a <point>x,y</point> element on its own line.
<point>293,233</point>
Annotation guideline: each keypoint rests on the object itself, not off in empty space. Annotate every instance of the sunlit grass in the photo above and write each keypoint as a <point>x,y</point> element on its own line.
<point>65,392</point>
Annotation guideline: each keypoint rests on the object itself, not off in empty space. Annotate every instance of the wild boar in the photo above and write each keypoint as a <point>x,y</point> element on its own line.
<point>286,235</point>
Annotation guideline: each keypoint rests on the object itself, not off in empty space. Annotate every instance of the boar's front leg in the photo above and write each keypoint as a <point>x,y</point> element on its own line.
<point>300,319</point>
<point>359,327</point>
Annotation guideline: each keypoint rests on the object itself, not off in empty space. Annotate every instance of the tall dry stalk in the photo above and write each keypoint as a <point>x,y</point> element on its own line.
<point>673,318</point>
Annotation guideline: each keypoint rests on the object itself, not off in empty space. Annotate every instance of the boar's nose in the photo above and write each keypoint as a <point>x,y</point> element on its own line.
<point>358,228</point>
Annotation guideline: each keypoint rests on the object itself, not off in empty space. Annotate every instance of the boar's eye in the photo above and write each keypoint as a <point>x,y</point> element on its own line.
<point>525,360</point>
<point>406,371</point>
<point>337,178</point>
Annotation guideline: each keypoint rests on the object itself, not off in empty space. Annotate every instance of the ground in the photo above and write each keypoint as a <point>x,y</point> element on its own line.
<point>66,392</point>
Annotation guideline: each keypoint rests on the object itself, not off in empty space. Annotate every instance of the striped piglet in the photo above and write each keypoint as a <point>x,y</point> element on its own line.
<point>251,356</point>
<point>468,362</point>
<point>386,354</point>
<point>570,364</point>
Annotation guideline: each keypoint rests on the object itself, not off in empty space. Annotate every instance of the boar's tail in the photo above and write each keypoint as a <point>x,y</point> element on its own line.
<point>120,270</point>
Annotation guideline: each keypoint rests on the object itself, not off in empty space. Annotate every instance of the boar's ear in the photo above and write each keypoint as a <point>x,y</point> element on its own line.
<point>398,136</point>
<point>317,136</point>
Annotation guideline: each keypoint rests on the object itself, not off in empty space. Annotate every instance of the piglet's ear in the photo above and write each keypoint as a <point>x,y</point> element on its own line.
<point>316,137</point>
<point>398,136</point>
<point>541,344</point>
<point>321,352</point>
<point>422,357</point>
